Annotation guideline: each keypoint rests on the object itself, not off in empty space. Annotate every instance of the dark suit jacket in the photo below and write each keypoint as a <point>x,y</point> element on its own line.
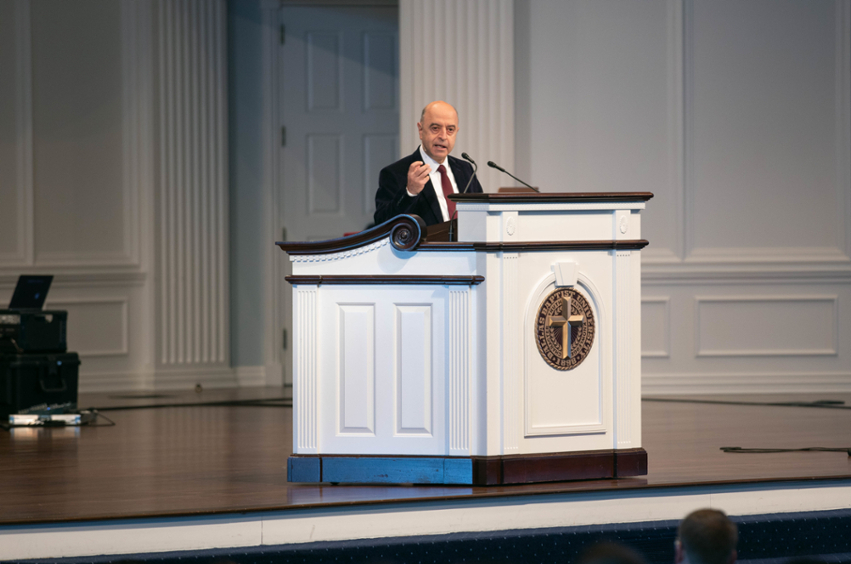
<point>392,197</point>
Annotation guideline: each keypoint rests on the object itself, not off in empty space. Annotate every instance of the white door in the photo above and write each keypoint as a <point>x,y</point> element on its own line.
<point>340,121</point>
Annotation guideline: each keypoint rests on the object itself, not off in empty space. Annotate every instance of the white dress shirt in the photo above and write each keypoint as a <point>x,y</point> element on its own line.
<point>436,181</point>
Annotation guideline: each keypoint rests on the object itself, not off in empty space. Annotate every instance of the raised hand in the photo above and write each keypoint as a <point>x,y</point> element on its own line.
<point>417,177</point>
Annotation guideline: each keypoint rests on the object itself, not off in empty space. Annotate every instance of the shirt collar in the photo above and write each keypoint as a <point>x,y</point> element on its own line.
<point>431,162</point>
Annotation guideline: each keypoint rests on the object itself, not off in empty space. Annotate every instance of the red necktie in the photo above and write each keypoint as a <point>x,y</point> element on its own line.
<point>447,189</point>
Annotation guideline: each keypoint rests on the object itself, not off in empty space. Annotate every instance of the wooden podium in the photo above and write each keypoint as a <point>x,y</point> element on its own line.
<point>511,354</point>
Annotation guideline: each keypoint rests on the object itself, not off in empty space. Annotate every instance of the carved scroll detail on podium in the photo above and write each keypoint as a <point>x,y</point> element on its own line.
<point>564,329</point>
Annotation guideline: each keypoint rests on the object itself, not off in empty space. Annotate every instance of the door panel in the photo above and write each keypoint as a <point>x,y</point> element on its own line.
<point>339,96</point>
<point>339,102</point>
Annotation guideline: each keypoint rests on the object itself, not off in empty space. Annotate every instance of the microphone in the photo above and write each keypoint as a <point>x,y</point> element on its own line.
<point>499,168</point>
<point>475,170</point>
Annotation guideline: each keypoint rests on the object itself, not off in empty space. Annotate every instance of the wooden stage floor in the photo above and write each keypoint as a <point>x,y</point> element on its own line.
<point>197,460</point>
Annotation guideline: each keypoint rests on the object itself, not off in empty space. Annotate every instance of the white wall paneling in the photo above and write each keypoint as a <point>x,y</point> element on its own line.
<point>598,97</point>
<point>765,187</point>
<point>113,177</point>
<point>16,134</point>
<point>656,327</point>
<point>738,117</point>
<point>461,51</point>
<point>765,190</point>
<point>97,327</point>
<point>71,83</point>
<point>748,337</point>
<point>671,96</point>
<point>763,179</point>
<point>192,252</point>
<point>668,223</point>
<point>741,382</point>
<point>277,364</point>
<point>74,165</point>
<point>83,206</point>
<point>735,326</point>
<point>843,116</point>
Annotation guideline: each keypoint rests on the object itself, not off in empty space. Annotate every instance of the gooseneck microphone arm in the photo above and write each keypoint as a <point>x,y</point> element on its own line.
<point>499,168</point>
<point>475,170</point>
<point>464,191</point>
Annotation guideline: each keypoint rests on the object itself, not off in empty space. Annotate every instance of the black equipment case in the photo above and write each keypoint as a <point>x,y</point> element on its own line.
<point>32,331</point>
<point>27,380</point>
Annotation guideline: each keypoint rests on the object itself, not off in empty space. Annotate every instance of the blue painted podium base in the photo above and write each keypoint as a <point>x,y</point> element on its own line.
<point>472,471</point>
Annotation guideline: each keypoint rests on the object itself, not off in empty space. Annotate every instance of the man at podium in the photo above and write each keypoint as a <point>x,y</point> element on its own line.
<point>420,183</point>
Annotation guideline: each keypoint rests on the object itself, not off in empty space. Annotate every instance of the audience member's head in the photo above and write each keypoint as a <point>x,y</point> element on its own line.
<point>609,553</point>
<point>706,536</point>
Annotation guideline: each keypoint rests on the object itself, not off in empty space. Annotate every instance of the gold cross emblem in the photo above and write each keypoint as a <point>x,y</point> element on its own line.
<point>566,321</point>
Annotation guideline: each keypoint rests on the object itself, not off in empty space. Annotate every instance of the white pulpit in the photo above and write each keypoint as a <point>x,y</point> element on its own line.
<point>509,354</point>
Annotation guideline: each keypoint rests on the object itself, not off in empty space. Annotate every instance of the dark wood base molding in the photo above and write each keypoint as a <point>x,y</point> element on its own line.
<point>473,471</point>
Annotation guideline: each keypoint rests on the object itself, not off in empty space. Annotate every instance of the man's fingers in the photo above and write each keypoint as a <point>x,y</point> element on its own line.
<point>419,169</point>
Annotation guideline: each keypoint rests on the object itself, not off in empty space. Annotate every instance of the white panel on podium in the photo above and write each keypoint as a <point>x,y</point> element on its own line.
<point>414,373</point>
<point>356,368</point>
<point>377,366</point>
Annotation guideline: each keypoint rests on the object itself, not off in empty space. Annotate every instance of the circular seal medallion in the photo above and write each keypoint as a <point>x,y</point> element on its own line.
<point>564,329</point>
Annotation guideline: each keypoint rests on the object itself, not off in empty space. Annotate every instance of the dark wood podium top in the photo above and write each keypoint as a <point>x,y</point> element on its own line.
<point>529,197</point>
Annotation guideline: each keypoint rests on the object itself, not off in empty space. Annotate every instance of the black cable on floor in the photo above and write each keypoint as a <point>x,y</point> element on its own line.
<point>827,404</point>
<point>771,450</point>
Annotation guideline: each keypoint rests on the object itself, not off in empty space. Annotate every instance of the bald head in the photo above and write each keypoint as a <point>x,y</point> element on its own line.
<point>437,128</point>
<point>441,105</point>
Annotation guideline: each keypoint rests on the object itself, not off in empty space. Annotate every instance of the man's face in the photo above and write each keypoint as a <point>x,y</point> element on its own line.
<point>437,130</point>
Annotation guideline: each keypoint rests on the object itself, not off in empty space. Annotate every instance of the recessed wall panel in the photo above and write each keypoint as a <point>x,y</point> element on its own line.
<point>767,326</point>
<point>79,200</point>
<point>414,372</point>
<point>96,327</point>
<point>9,139</point>
<point>378,152</point>
<point>594,75</point>
<point>655,327</point>
<point>323,71</point>
<point>357,368</point>
<point>324,170</point>
<point>762,94</point>
<point>379,67</point>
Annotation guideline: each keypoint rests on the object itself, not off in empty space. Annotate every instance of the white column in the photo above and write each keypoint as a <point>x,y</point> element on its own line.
<point>461,51</point>
<point>191,248</point>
